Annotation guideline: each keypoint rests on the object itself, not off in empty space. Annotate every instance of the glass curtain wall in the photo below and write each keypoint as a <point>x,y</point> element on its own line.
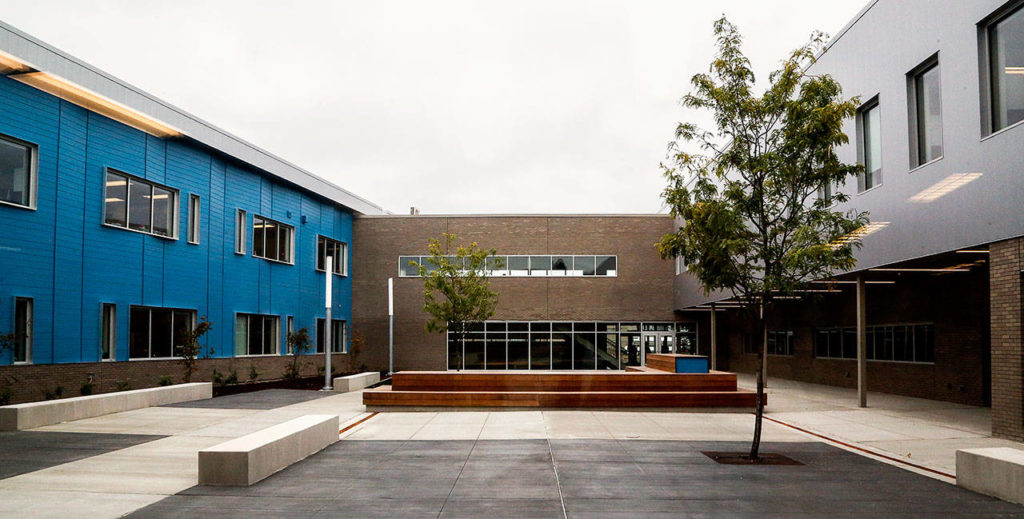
<point>588,345</point>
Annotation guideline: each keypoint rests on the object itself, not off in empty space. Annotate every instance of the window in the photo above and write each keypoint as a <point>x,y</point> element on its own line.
<point>1005,37</point>
<point>240,226</point>
<point>869,148</point>
<point>158,332</point>
<point>271,240</point>
<point>17,172</point>
<point>108,340</point>
<point>893,343</point>
<point>527,266</point>
<point>138,205</point>
<point>193,218</point>
<point>925,113</point>
<point>256,334</point>
<point>23,332</point>
<point>337,250</point>
<point>780,342</point>
<point>339,341</point>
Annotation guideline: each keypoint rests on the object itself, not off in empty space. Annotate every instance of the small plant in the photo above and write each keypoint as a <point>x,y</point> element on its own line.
<point>232,377</point>
<point>190,348</point>
<point>165,380</point>
<point>356,350</point>
<point>298,344</point>
<point>123,385</point>
<point>53,394</point>
<point>253,374</point>
<point>5,395</point>
<point>217,377</point>
<point>87,388</point>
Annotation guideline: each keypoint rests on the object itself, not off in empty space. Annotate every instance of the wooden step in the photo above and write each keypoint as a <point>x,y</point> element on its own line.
<point>547,399</point>
<point>561,381</point>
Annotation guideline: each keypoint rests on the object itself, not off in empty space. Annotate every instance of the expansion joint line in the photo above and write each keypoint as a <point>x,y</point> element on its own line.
<point>558,482</point>
<point>361,420</point>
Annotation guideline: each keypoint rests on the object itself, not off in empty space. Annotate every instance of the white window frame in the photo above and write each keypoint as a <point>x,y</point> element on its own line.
<point>194,218</point>
<point>108,331</point>
<point>340,263</point>
<point>506,272</point>
<point>33,175</point>
<point>149,349</point>
<point>129,178</point>
<point>276,346</point>
<point>241,231</point>
<point>29,329</point>
<point>334,339</point>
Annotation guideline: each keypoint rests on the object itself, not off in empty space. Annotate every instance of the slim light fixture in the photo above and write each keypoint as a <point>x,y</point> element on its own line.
<point>11,65</point>
<point>972,251</point>
<point>1014,70</point>
<point>944,187</point>
<point>837,282</point>
<point>943,270</point>
<point>90,100</point>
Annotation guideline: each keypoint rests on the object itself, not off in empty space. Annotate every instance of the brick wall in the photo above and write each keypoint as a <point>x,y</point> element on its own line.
<point>642,290</point>
<point>1007,356</point>
<point>29,383</point>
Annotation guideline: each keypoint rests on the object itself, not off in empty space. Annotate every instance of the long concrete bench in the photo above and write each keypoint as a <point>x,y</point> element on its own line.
<point>994,471</point>
<point>251,458</point>
<point>37,414</point>
<point>356,382</point>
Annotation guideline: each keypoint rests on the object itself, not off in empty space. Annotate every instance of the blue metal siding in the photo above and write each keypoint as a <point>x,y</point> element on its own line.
<point>63,257</point>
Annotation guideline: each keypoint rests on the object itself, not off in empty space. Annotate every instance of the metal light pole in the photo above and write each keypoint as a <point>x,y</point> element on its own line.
<point>329,267</point>
<point>391,326</point>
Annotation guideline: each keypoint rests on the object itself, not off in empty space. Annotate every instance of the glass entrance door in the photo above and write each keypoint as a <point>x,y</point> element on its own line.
<point>658,342</point>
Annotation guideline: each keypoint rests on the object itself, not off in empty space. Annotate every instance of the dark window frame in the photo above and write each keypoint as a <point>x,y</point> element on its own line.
<point>340,267</point>
<point>874,178</point>
<point>33,174</point>
<point>149,312</point>
<point>914,78</point>
<point>987,84</point>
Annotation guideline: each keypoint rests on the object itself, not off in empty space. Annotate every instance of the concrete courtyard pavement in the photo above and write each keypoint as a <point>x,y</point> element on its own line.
<point>915,430</point>
<point>109,481</point>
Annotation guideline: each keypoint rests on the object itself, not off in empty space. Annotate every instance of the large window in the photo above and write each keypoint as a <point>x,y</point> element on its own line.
<point>158,332</point>
<point>528,266</point>
<point>339,339</point>
<point>334,248</point>
<point>23,332</point>
<point>869,147</point>
<point>1005,37</point>
<point>138,205</point>
<point>925,113</point>
<point>17,172</point>
<point>895,343</point>
<point>193,218</point>
<point>587,345</point>
<point>257,334</point>
<point>272,240</point>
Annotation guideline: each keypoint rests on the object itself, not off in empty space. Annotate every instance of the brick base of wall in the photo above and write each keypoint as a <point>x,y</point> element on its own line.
<point>29,383</point>
<point>1005,263</point>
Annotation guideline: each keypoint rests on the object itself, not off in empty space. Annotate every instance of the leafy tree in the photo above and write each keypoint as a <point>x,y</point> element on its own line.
<point>456,288</point>
<point>298,344</point>
<point>757,219</point>
<point>190,349</point>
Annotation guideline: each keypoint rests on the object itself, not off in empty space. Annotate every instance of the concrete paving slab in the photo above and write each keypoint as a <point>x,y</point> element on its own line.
<point>265,399</point>
<point>29,451</point>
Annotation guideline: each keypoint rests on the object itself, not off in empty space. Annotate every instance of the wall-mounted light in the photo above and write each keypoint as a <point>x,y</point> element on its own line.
<point>90,100</point>
<point>11,65</point>
<point>1014,70</point>
<point>944,187</point>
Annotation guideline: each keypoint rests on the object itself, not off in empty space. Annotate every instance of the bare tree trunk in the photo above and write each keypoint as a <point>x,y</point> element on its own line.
<point>759,414</point>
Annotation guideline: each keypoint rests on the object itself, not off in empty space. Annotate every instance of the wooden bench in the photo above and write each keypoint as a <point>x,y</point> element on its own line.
<point>251,458</point>
<point>995,471</point>
<point>385,397</point>
<point>37,414</point>
<point>356,382</point>
<point>561,381</point>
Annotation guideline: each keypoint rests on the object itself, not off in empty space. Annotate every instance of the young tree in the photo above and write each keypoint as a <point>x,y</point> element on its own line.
<point>758,220</point>
<point>456,289</point>
<point>190,349</point>
<point>298,344</point>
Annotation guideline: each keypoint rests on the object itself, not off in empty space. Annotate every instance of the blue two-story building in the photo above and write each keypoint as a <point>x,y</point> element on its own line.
<point>124,221</point>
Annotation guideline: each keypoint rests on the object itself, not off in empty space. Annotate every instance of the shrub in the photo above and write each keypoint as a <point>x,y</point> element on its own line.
<point>165,380</point>
<point>55,393</point>
<point>190,349</point>
<point>123,385</point>
<point>253,374</point>
<point>5,395</point>
<point>87,388</point>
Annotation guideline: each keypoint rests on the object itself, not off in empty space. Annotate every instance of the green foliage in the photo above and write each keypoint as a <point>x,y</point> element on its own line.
<point>5,395</point>
<point>190,348</point>
<point>456,288</point>
<point>253,374</point>
<point>298,344</point>
<point>87,388</point>
<point>747,191</point>
<point>53,394</point>
<point>123,385</point>
<point>221,380</point>
<point>165,380</point>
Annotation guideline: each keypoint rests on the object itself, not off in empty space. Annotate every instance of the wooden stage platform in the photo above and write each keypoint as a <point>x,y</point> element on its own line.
<point>560,389</point>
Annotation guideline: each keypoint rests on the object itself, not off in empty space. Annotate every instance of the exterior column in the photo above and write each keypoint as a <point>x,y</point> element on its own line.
<point>862,361</point>
<point>714,341</point>
<point>1006,297</point>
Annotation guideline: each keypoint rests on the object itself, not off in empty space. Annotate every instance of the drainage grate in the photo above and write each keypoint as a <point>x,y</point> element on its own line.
<point>742,458</point>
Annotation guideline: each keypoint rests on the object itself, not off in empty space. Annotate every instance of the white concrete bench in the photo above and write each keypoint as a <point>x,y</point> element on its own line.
<point>246,460</point>
<point>37,414</point>
<point>356,382</point>
<point>995,471</point>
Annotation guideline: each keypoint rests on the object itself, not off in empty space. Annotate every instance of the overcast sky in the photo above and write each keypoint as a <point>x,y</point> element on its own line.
<point>452,107</point>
